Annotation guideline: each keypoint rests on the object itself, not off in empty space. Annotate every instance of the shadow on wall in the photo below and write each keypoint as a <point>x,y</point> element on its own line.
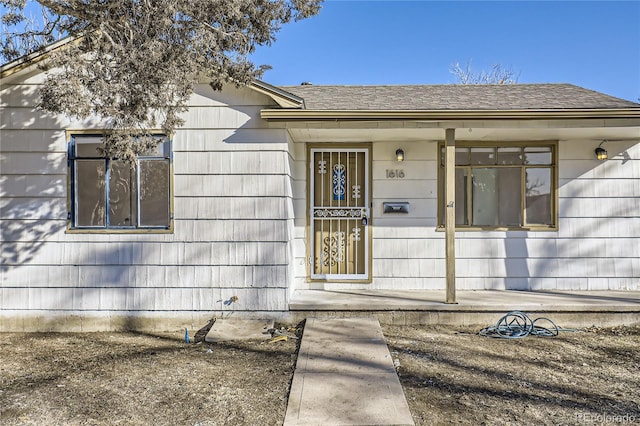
<point>194,270</point>
<point>586,252</point>
<point>33,176</point>
<point>33,172</point>
<point>40,270</point>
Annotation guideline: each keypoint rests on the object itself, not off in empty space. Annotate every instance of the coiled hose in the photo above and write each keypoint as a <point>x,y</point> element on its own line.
<point>516,325</point>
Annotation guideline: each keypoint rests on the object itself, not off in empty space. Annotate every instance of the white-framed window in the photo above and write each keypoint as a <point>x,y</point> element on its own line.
<point>503,185</point>
<point>110,194</point>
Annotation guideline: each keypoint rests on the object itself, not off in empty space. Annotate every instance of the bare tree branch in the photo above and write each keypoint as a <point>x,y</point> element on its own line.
<point>138,61</point>
<point>497,74</point>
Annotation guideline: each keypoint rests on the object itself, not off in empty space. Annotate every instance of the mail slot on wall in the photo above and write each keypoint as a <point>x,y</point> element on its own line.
<point>402,207</point>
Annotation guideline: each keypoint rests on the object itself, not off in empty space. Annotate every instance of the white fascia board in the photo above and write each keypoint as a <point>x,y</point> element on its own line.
<point>451,115</point>
<point>281,97</point>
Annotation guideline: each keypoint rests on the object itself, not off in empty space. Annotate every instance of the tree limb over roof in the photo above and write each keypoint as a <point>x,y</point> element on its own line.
<point>137,62</point>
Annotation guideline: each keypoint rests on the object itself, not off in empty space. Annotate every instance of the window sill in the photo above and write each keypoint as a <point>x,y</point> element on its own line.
<point>119,231</point>
<point>502,229</point>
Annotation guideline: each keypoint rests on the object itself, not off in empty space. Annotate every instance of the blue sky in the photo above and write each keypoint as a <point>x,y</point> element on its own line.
<point>594,44</point>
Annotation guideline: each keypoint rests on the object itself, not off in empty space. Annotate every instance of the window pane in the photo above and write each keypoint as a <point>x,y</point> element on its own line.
<point>484,201</point>
<point>510,196</point>
<point>154,193</point>
<point>86,146</point>
<point>537,155</point>
<point>538,198</point>
<point>462,156</point>
<point>510,155</point>
<point>461,197</point>
<point>496,197</point>
<point>90,192</point>
<point>120,194</point>
<point>483,156</point>
<point>161,150</point>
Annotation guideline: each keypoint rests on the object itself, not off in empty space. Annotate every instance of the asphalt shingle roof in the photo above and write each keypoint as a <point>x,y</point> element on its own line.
<point>455,97</point>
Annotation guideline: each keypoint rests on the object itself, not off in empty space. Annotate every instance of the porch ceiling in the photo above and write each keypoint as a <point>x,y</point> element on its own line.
<point>374,132</point>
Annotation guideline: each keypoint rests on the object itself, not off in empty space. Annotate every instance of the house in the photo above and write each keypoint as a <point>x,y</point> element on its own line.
<point>267,190</point>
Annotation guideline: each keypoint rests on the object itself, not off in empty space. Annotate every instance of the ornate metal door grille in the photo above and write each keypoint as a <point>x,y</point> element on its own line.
<point>339,214</point>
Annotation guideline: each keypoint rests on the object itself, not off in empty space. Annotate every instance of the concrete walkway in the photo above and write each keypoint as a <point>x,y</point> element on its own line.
<point>345,376</point>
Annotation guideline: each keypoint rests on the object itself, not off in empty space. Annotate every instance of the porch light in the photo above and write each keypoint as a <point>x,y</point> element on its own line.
<point>399,154</point>
<point>601,153</point>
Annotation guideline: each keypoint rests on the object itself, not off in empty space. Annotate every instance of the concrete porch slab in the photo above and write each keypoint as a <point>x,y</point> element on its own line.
<point>468,301</point>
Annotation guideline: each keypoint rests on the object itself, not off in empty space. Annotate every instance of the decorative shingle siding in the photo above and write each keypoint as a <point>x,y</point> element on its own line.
<point>596,247</point>
<point>240,206</point>
<point>231,231</point>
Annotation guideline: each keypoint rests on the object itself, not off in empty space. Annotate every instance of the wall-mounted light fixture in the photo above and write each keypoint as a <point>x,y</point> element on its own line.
<point>399,154</point>
<point>601,153</point>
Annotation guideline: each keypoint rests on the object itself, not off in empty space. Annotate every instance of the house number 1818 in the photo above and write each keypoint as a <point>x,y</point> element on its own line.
<point>395,174</point>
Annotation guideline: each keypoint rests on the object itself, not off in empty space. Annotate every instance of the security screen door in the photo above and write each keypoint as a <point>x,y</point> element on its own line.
<point>339,214</point>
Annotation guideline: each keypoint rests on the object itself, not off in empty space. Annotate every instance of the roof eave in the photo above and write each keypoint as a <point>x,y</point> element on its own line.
<point>281,97</point>
<point>448,115</point>
<point>34,58</point>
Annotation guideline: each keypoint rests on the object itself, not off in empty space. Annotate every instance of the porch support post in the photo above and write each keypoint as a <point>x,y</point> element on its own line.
<point>450,213</point>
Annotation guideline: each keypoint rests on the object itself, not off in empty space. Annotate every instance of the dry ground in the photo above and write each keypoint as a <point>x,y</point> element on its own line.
<point>129,378</point>
<point>450,376</point>
<point>457,377</point>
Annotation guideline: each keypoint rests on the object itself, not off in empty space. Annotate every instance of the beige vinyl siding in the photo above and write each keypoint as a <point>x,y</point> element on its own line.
<point>231,235</point>
<point>407,245</point>
<point>240,218</point>
<point>595,247</point>
<point>298,167</point>
<point>407,251</point>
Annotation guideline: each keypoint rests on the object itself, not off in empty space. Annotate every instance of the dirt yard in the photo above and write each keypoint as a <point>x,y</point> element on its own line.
<point>450,376</point>
<point>457,377</point>
<point>137,379</point>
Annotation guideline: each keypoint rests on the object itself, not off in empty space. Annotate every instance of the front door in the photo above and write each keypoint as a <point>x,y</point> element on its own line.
<point>339,214</point>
